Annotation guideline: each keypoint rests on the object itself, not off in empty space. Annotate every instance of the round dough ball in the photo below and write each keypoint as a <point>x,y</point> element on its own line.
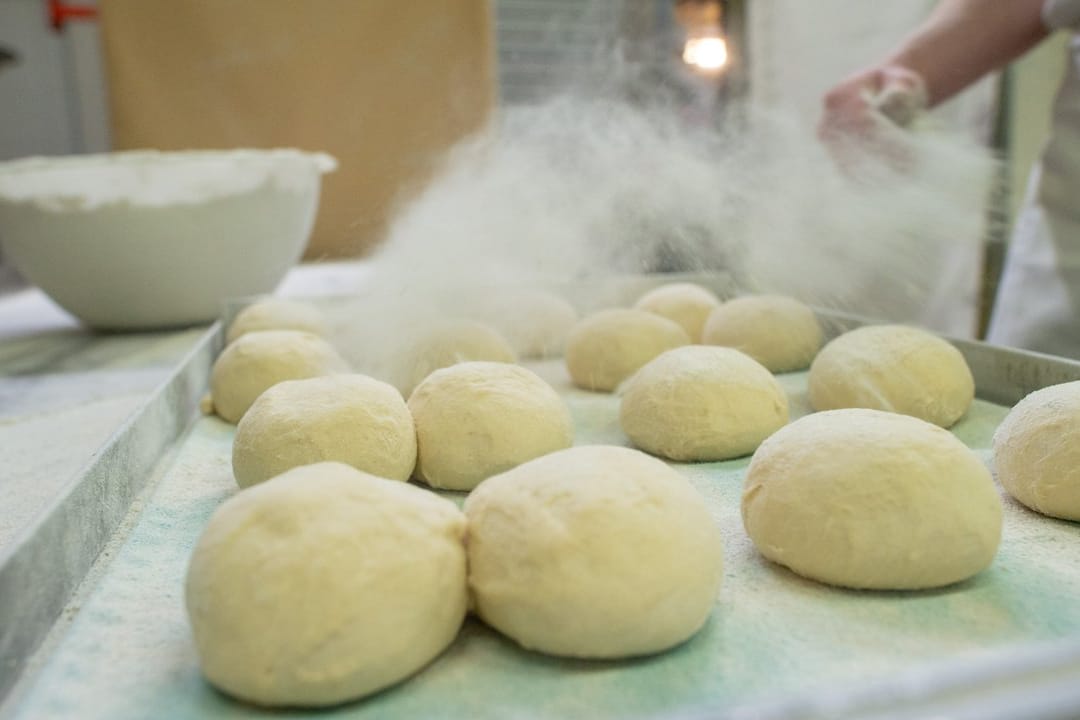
<point>702,403</point>
<point>274,314</point>
<point>896,368</point>
<point>325,584</point>
<point>779,332</point>
<point>352,419</point>
<point>453,342</point>
<point>1037,451</point>
<point>259,360</point>
<point>593,552</point>
<point>685,303</point>
<point>609,346</point>
<point>477,419</point>
<point>535,323</point>
<point>872,499</point>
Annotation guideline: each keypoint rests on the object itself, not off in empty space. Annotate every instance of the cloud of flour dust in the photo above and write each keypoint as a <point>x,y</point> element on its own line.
<point>607,177</point>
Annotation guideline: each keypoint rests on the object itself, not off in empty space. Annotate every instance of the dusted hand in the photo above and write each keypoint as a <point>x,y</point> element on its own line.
<point>854,108</point>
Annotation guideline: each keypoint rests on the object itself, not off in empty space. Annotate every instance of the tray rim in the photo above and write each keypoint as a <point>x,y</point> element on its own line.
<point>110,482</point>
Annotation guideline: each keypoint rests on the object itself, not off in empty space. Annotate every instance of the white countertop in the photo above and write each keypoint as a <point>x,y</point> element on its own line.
<point>30,311</point>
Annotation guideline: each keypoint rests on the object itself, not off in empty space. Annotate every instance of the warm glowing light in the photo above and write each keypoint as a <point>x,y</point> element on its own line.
<point>708,54</point>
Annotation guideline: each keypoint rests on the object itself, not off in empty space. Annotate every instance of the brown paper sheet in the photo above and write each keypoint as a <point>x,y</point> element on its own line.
<point>383,85</point>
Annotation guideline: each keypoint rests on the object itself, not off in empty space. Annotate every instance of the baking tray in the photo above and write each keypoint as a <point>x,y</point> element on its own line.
<point>1004,644</point>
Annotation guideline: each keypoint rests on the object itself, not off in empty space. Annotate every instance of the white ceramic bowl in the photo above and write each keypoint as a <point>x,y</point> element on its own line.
<point>147,239</point>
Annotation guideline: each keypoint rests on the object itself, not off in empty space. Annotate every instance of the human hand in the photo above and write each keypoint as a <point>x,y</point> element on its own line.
<point>854,108</point>
<point>860,112</point>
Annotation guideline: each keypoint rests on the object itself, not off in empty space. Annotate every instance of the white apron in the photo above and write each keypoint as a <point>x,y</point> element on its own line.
<point>1038,301</point>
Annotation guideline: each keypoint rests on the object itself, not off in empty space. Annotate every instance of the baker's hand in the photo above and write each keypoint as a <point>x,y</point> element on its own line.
<point>854,108</point>
<point>862,114</point>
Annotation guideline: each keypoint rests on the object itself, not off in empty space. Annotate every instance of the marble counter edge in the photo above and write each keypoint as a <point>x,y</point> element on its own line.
<point>43,567</point>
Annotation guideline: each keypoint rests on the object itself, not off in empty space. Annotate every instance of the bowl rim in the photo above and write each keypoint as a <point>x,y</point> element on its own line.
<point>323,162</point>
<point>63,201</point>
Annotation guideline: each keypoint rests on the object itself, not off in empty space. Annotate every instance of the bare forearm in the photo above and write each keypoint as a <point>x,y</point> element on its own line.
<point>965,39</point>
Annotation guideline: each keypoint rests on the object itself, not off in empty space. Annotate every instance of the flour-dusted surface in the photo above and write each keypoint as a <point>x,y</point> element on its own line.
<point>128,652</point>
<point>62,395</point>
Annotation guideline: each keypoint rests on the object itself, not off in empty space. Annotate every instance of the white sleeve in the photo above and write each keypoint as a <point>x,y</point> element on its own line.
<point>1058,14</point>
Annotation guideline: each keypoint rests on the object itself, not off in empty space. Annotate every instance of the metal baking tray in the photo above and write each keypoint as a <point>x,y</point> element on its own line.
<point>1004,644</point>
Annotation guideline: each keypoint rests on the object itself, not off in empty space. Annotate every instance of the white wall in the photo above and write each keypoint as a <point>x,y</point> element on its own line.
<point>52,101</point>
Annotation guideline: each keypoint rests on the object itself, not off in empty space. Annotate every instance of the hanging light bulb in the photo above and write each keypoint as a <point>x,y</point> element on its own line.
<point>707,53</point>
<point>706,48</point>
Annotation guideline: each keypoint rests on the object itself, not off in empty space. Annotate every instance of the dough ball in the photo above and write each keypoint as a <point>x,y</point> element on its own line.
<point>609,346</point>
<point>684,303</point>
<point>477,419</point>
<point>871,499</point>
<point>325,584</point>
<point>352,419</point>
<point>535,323</point>
<point>1037,451</point>
<point>274,314</point>
<point>593,552</point>
<point>779,332</point>
<point>702,403</point>
<point>896,368</point>
<point>452,342</point>
<point>259,360</point>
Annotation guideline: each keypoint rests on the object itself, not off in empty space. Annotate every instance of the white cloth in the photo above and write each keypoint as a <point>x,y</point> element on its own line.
<point>1038,302</point>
